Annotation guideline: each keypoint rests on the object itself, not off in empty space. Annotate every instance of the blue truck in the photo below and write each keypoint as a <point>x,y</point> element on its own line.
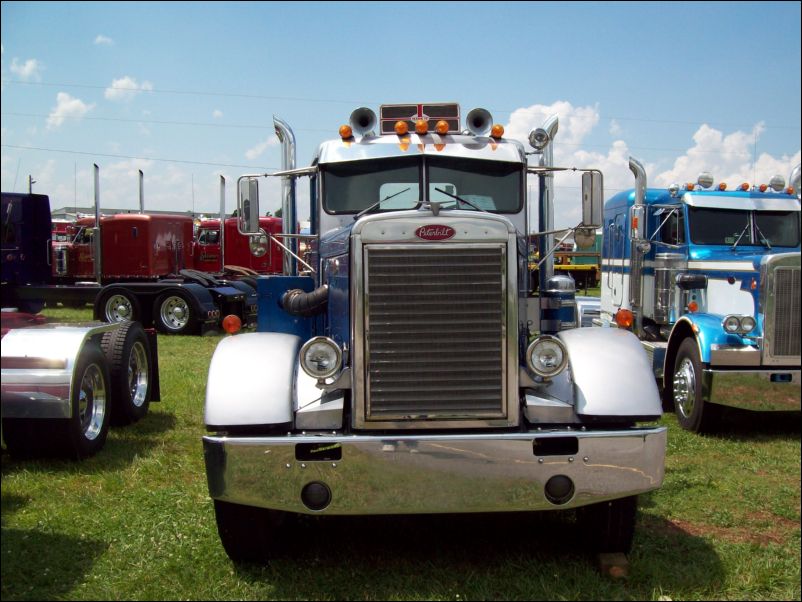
<point>403,368</point>
<point>709,281</point>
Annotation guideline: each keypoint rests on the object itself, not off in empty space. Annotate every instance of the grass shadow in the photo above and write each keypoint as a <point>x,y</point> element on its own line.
<point>123,445</point>
<point>44,566</point>
<point>517,556</point>
<point>747,425</point>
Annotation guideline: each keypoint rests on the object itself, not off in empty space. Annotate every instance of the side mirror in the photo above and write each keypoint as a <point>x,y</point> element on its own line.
<point>248,205</point>
<point>257,244</point>
<point>592,198</point>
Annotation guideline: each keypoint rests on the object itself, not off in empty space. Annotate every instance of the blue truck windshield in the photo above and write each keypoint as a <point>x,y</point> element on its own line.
<point>746,228</point>
<point>351,187</point>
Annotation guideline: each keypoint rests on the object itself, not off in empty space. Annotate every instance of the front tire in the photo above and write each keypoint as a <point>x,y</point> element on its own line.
<point>248,534</point>
<point>609,527</point>
<point>131,372</point>
<point>693,412</point>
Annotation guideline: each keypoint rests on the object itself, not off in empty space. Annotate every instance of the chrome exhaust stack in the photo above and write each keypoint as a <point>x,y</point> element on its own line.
<point>288,212</point>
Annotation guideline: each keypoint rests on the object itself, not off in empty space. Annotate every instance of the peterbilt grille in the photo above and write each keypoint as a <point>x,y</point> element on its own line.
<point>434,332</point>
<point>786,339</point>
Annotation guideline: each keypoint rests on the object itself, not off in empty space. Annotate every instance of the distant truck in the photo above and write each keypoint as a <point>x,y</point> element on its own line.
<point>259,257</point>
<point>63,385</point>
<point>144,273</point>
<point>709,281</point>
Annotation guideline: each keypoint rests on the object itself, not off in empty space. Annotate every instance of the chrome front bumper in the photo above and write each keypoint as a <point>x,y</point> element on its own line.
<point>761,390</point>
<point>434,473</point>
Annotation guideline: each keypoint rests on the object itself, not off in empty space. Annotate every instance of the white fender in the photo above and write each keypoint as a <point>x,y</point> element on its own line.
<point>611,372</point>
<point>251,380</point>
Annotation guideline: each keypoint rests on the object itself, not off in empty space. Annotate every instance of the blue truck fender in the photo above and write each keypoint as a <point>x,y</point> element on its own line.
<point>252,379</point>
<point>611,373</point>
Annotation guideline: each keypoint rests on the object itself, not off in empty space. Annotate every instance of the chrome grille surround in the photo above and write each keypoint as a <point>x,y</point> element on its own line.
<point>434,322</point>
<point>780,277</point>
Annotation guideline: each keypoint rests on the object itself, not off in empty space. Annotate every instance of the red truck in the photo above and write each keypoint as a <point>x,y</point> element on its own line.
<point>238,251</point>
<point>145,271</point>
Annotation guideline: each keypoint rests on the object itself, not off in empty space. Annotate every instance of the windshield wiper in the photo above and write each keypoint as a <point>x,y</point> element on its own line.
<point>762,238</point>
<point>460,200</point>
<point>378,203</point>
<point>740,236</point>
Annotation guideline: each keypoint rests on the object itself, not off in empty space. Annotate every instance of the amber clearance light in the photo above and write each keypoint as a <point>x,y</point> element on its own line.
<point>497,131</point>
<point>624,318</point>
<point>232,324</point>
<point>421,126</point>
<point>441,127</point>
<point>401,128</point>
<point>346,132</point>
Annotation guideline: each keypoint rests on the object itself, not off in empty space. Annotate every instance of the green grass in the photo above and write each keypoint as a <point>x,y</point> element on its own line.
<point>136,522</point>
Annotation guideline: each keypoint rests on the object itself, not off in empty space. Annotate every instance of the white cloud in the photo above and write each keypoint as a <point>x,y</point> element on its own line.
<point>729,158</point>
<point>67,107</point>
<point>259,149</point>
<point>126,88</point>
<point>217,113</point>
<point>103,40</point>
<point>27,71</point>
<point>615,128</point>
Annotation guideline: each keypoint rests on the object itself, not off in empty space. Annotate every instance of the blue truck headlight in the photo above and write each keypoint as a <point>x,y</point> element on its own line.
<point>748,324</point>
<point>731,324</point>
<point>546,356</point>
<point>321,357</point>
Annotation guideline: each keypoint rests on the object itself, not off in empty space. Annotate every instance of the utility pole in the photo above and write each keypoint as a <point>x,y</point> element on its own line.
<point>31,182</point>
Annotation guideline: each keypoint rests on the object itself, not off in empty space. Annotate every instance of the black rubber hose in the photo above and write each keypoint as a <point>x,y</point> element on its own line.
<point>301,303</point>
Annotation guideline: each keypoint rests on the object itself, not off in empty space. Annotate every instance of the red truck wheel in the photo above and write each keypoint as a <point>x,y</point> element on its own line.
<point>173,314</point>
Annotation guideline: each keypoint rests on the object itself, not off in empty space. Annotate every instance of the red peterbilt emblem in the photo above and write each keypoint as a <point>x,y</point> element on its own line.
<point>435,232</point>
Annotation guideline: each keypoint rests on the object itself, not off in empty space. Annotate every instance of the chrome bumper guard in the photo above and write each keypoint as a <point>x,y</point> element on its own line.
<point>434,473</point>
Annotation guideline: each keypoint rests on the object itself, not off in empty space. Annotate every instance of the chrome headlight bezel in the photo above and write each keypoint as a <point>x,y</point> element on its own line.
<point>748,324</point>
<point>320,344</point>
<point>731,324</point>
<point>535,349</point>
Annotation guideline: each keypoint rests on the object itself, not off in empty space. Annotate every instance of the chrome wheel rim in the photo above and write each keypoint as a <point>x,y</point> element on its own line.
<point>92,402</point>
<point>119,309</point>
<point>138,374</point>
<point>685,388</point>
<point>174,313</point>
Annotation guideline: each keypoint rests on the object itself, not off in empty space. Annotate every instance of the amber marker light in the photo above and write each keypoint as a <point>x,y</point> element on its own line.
<point>624,318</point>
<point>693,307</point>
<point>790,190</point>
<point>441,127</point>
<point>744,186</point>
<point>763,188</point>
<point>690,186</point>
<point>722,186</point>
<point>401,128</point>
<point>346,132</point>
<point>232,324</point>
<point>497,131</point>
<point>421,126</point>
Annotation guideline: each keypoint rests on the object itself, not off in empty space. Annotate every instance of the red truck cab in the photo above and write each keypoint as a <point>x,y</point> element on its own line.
<point>206,248</point>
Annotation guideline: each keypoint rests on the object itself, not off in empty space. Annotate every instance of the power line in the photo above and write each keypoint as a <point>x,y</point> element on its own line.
<point>159,159</point>
<point>355,102</point>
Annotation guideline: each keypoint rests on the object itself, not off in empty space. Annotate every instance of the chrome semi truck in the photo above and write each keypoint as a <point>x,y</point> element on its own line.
<point>709,280</point>
<point>409,371</point>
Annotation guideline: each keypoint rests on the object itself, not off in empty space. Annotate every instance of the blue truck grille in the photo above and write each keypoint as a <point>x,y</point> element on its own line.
<point>435,332</point>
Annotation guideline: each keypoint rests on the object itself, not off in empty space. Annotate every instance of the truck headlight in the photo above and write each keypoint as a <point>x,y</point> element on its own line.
<point>748,324</point>
<point>321,357</point>
<point>731,324</point>
<point>546,356</point>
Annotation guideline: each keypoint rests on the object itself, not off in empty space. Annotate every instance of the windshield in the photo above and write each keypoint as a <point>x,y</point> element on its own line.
<point>746,228</point>
<point>351,187</point>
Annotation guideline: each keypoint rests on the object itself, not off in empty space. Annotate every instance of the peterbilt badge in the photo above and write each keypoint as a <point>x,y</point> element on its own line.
<point>435,232</point>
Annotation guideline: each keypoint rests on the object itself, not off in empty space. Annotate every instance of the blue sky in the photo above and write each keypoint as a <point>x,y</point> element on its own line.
<point>186,91</point>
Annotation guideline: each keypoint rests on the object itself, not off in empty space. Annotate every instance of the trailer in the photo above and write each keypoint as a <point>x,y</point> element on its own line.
<point>63,385</point>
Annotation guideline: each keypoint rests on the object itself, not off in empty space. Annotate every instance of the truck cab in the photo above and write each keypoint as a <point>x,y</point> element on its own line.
<point>267,258</point>
<point>709,280</point>
<point>410,371</point>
